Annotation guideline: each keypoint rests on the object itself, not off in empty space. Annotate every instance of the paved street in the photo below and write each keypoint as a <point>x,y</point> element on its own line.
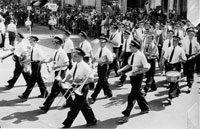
<point>182,114</point>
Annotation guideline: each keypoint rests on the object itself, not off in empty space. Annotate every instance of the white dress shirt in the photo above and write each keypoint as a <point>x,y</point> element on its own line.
<point>116,37</point>
<point>139,61</point>
<point>83,70</point>
<point>178,52</point>
<point>166,44</point>
<point>60,58</point>
<point>38,54</point>
<point>126,45</point>
<point>21,47</point>
<point>68,45</point>
<point>105,52</point>
<point>186,45</point>
<point>86,47</point>
<point>12,27</point>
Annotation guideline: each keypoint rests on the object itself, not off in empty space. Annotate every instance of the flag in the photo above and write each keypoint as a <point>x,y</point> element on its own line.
<point>193,12</point>
<point>38,3</point>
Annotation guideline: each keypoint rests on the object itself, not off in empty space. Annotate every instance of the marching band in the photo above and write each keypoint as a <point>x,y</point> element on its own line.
<point>173,49</point>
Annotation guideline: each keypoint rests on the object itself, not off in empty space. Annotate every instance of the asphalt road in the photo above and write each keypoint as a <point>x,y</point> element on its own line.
<point>182,114</point>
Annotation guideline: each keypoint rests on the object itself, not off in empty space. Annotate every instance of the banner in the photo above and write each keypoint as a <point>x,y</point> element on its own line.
<point>193,11</point>
<point>52,6</point>
<point>89,2</point>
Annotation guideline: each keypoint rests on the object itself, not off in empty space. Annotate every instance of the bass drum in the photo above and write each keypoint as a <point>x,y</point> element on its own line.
<point>173,76</point>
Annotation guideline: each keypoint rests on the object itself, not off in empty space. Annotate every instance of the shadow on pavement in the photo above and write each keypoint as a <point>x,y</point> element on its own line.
<point>107,124</point>
<point>14,102</point>
<point>120,99</point>
<point>23,116</point>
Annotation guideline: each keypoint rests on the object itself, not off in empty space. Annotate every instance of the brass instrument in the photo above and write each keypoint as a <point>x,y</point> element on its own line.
<point>25,62</point>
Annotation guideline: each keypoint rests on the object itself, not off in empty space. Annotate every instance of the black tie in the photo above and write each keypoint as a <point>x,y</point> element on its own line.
<point>177,33</point>
<point>169,44</point>
<point>100,53</point>
<point>190,48</point>
<point>132,59</point>
<point>125,45</point>
<point>32,55</point>
<point>171,56</point>
<point>111,37</point>
<point>81,45</point>
<point>54,59</point>
<point>74,71</point>
<point>122,38</point>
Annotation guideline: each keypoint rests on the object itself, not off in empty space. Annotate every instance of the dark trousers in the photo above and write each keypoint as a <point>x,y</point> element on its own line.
<point>35,77</point>
<point>136,94</point>
<point>150,81</point>
<point>189,70</point>
<point>91,84</point>
<point>80,104</point>
<point>102,82</point>
<point>2,44</point>
<point>17,71</point>
<point>11,36</point>
<point>114,65</point>
<point>56,89</point>
<point>197,61</point>
<point>174,88</point>
<point>124,63</point>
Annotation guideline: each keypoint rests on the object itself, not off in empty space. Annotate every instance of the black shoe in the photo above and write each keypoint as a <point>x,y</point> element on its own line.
<point>22,97</point>
<point>144,112</point>
<point>9,86</point>
<point>91,100</point>
<point>169,101</point>
<point>108,96</point>
<point>91,124</point>
<point>123,119</point>
<point>44,109</point>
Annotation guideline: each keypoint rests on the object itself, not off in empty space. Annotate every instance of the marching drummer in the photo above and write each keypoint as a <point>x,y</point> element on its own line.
<point>81,74</point>
<point>174,56</point>
<point>61,62</point>
<point>20,48</point>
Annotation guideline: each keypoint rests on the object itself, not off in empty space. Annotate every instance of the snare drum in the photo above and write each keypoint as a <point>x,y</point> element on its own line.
<point>173,76</point>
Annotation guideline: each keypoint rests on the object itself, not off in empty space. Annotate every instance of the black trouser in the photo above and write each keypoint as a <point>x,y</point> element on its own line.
<point>197,61</point>
<point>70,60</point>
<point>80,104</point>
<point>35,77</point>
<point>87,59</point>
<point>2,44</point>
<point>17,71</point>
<point>150,81</point>
<point>124,63</point>
<point>56,89</point>
<point>136,94</point>
<point>102,82</point>
<point>11,36</point>
<point>174,88</point>
<point>189,70</point>
<point>114,65</point>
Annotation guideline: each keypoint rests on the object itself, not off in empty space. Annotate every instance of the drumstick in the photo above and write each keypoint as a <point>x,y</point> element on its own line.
<point>4,57</point>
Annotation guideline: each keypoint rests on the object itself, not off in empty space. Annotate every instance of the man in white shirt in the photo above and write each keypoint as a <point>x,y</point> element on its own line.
<point>20,48</point>
<point>12,30</point>
<point>103,57</point>
<point>68,46</point>
<point>2,32</point>
<point>60,61</point>
<point>37,58</point>
<point>114,45</point>
<point>80,73</point>
<point>174,56</point>
<point>139,65</point>
<point>191,48</point>
<point>126,53</point>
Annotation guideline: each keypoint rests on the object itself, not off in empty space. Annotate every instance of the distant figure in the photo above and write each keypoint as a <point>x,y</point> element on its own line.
<point>28,24</point>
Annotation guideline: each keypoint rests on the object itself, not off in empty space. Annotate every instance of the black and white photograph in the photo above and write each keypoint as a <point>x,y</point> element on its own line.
<point>111,64</point>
